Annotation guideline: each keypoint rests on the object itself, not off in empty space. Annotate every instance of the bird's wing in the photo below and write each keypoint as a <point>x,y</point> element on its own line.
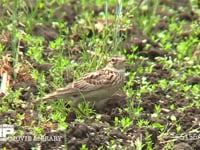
<point>91,81</point>
<point>97,80</point>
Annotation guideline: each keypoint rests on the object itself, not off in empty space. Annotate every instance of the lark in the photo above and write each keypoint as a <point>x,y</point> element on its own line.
<point>95,87</point>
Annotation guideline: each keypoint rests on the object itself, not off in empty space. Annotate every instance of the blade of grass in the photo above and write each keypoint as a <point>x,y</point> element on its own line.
<point>14,38</point>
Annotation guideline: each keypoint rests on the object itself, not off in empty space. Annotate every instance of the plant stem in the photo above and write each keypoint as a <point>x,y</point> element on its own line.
<point>14,39</point>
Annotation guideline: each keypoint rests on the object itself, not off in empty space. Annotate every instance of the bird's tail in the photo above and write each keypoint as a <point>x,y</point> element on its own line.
<point>54,95</point>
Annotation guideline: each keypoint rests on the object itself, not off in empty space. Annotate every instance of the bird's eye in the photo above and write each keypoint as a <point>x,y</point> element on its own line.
<point>113,60</point>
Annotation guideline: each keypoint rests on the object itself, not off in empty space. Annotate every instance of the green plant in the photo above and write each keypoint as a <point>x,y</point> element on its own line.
<point>148,142</point>
<point>83,147</point>
<point>35,48</point>
<point>38,131</point>
<point>143,122</point>
<point>124,123</point>
<point>159,126</point>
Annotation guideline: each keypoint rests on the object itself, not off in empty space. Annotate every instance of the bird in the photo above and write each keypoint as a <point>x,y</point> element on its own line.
<point>95,87</point>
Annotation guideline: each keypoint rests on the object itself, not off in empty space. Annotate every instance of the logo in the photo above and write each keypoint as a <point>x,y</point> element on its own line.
<point>5,131</point>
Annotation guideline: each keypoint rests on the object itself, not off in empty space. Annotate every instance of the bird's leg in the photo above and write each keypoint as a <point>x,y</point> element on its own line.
<point>76,108</point>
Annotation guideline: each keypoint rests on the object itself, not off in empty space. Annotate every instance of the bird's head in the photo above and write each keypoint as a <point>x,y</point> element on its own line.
<point>117,62</point>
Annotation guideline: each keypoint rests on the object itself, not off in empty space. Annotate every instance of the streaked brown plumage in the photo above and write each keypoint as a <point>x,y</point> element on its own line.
<point>95,87</point>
